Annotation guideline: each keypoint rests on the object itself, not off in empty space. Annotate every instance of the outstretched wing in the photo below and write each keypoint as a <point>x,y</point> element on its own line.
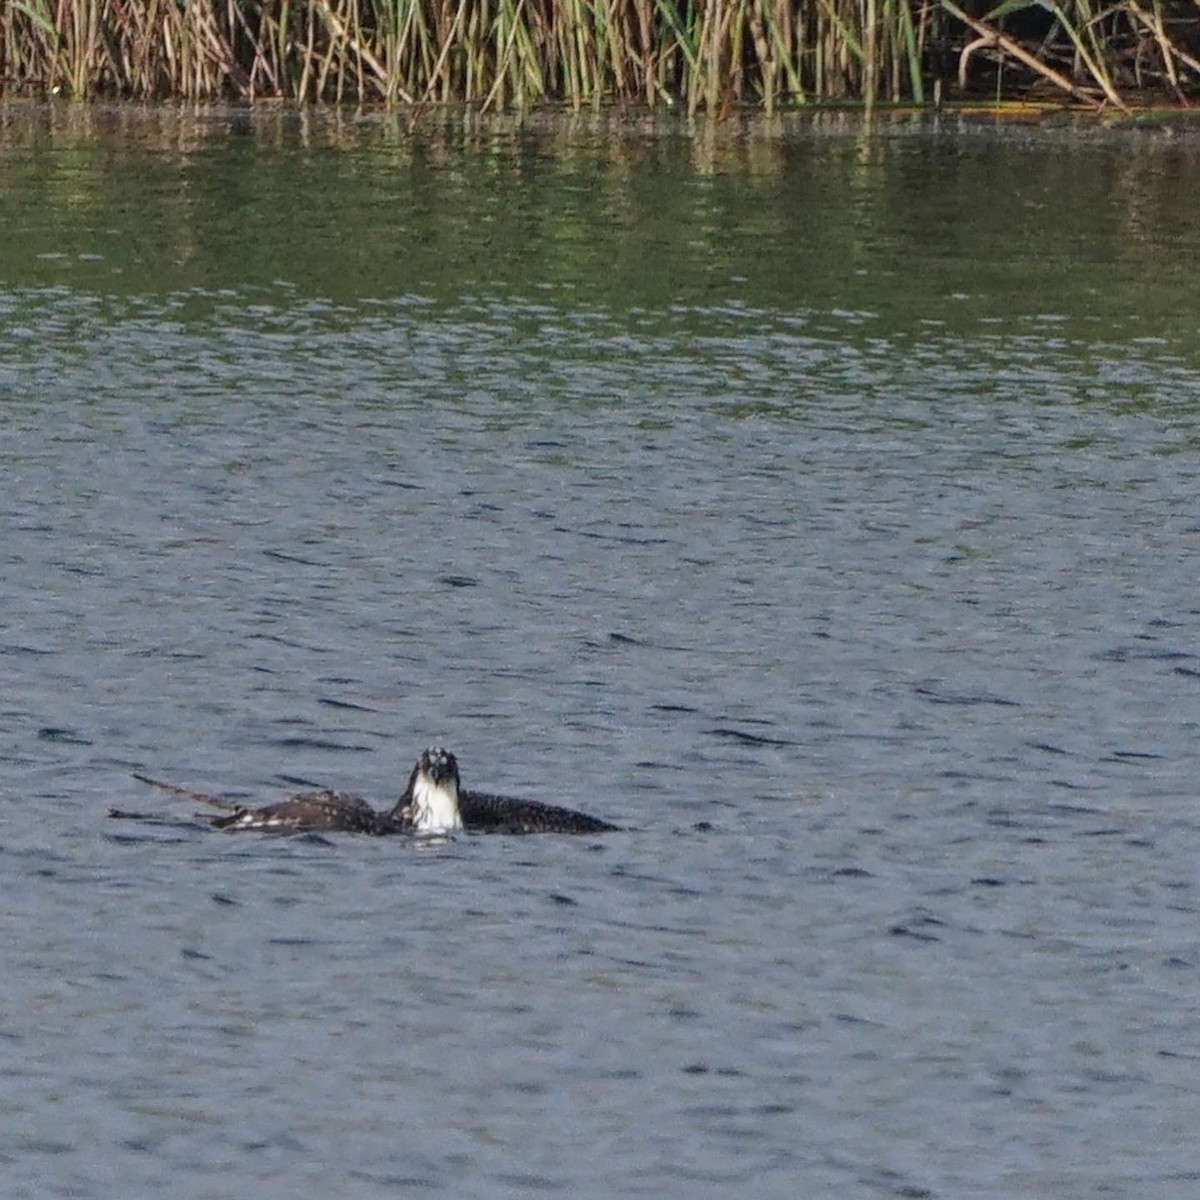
<point>306,811</point>
<point>200,797</point>
<point>506,814</point>
<point>323,810</point>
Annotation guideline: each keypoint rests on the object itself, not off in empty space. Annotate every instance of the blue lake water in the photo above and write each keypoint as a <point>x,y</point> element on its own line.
<point>816,502</point>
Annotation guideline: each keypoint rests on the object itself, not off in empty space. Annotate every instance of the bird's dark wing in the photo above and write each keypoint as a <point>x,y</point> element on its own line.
<point>187,793</point>
<point>506,814</point>
<point>322,810</point>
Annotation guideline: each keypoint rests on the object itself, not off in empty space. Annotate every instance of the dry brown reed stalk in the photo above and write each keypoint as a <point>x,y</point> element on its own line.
<point>705,54</point>
<point>991,36</point>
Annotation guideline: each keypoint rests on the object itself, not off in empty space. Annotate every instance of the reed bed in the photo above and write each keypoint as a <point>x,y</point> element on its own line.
<point>505,54</point>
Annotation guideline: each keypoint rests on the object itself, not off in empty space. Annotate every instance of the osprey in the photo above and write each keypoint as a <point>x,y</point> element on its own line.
<point>433,802</point>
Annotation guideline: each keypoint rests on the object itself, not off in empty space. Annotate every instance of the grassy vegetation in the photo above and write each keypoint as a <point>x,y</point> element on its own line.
<point>700,54</point>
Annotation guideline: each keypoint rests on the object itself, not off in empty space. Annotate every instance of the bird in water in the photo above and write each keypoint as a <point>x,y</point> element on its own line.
<point>434,802</point>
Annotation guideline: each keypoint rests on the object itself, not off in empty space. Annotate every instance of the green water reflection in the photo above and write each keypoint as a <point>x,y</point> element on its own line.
<point>911,220</point>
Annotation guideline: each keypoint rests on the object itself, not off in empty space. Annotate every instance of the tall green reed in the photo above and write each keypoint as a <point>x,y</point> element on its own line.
<point>701,54</point>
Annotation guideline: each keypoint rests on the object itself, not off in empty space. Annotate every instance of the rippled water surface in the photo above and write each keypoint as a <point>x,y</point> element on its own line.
<point>817,503</point>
